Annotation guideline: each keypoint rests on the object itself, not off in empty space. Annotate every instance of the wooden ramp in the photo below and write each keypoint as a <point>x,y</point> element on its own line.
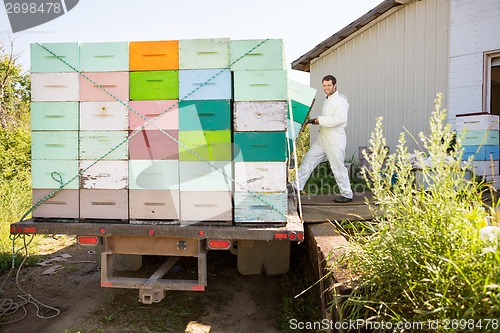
<point>324,244</point>
<point>321,208</point>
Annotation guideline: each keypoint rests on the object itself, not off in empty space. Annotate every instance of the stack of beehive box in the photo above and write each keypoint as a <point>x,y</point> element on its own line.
<point>161,130</point>
<point>481,141</point>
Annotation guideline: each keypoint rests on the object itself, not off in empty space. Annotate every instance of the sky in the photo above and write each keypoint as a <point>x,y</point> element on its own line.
<point>301,24</point>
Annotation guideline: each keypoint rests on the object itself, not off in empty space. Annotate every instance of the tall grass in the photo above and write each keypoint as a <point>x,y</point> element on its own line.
<point>423,261</point>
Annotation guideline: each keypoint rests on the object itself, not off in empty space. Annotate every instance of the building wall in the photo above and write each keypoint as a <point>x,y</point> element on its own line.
<point>474,29</point>
<point>392,69</point>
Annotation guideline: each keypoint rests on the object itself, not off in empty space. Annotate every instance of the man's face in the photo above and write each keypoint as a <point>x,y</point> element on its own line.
<point>328,88</point>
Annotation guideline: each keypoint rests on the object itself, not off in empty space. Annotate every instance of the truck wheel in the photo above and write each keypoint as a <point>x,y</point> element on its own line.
<point>260,256</point>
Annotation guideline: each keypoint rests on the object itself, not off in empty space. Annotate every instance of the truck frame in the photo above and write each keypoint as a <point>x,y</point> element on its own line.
<point>120,247</point>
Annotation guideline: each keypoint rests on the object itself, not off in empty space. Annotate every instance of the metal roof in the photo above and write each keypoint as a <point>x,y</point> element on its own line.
<point>303,63</point>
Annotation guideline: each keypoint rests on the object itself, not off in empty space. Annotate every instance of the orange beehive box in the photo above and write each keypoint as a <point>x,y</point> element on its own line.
<point>154,55</point>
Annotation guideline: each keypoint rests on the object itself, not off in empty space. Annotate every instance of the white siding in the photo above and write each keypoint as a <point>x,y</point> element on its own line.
<point>474,29</point>
<point>394,68</point>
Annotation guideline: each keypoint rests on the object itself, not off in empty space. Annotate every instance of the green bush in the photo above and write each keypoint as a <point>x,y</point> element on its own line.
<point>15,180</point>
<point>423,261</point>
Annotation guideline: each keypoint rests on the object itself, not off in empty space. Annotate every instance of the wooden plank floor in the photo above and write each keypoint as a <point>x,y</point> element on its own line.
<point>321,208</point>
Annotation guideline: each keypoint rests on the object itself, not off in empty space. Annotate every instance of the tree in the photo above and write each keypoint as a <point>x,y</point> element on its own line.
<point>14,89</point>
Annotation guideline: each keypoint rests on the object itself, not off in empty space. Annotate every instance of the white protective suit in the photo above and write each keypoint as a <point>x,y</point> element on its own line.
<point>331,144</point>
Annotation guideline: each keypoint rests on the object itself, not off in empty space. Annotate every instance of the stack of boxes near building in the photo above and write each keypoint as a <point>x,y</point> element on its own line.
<point>481,141</point>
<point>148,125</point>
<point>260,124</point>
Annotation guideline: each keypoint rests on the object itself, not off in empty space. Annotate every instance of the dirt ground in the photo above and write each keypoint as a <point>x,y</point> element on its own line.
<point>68,298</point>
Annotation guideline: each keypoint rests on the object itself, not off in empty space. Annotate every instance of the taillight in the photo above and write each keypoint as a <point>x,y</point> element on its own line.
<point>219,244</point>
<point>87,240</point>
<point>281,235</point>
<point>292,236</point>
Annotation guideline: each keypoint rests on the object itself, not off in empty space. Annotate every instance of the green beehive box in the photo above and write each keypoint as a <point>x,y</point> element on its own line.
<point>104,57</point>
<point>54,145</point>
<point>205,145</point>
<point>257,54</point>
<point>205,115</point>
<point>48,174</point>
<point>481,138</point>
<point>43,61</point>
<point>204,53</point>
<point>260,146</point>
<point>154,85</point>
<point>54,116</point>
<point>260,85</point>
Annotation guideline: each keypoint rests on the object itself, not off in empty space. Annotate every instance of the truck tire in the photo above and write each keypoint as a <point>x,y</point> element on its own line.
<point>260,256</point>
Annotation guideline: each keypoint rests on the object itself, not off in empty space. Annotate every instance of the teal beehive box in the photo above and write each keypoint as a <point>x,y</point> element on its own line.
<point>257,54</point>
<point>481,137</point>
<point>260,85</point>
<point>52,116</point>
<point>154,85</point>
<point>204,53</point>
<point>104,57</point>
<point>54,145</point>
<point>205,115</point>
<point>260,207</point>
<point>259,146</point>
<point>51,174</point>
<point>54,57</point>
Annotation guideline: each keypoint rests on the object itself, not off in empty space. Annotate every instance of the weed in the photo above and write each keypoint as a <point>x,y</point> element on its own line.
<point>422,261</point>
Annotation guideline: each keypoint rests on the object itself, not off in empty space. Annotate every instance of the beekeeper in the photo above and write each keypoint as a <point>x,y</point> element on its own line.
<point>331,141</point>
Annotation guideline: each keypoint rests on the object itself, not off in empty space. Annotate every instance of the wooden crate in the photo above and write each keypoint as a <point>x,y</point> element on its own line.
<point>205,145</point>
<point>104,175</point>
<point>204,53</point>
<point>54,145</point>
<point>481,137</point>
<point>202,84</point>
<point>206,206</point>
<point>153,174</point>
<point>103,116</point>
<point>105,87</point>
<point>64,204</point>
<point>45,174</point>
<point>260,207</point>
<point>154,205</point>
<point>257,54</point>
<point>260,116</point>
<point>52,116</point>
<point>205,115</point>
<point>260,176</point>
<point>202,176</point>
<point>154,55</point>
<point>110,144</point>
<point>154,145</point>
<point>55,87</point>
<point>104,57</point>
<point>260,86</point>
<point>104,204</point>
<point>483,121</point>
<point>259,146</point>
<point>154,85</point>
<point>163,114</point>
<point>43,61</point>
